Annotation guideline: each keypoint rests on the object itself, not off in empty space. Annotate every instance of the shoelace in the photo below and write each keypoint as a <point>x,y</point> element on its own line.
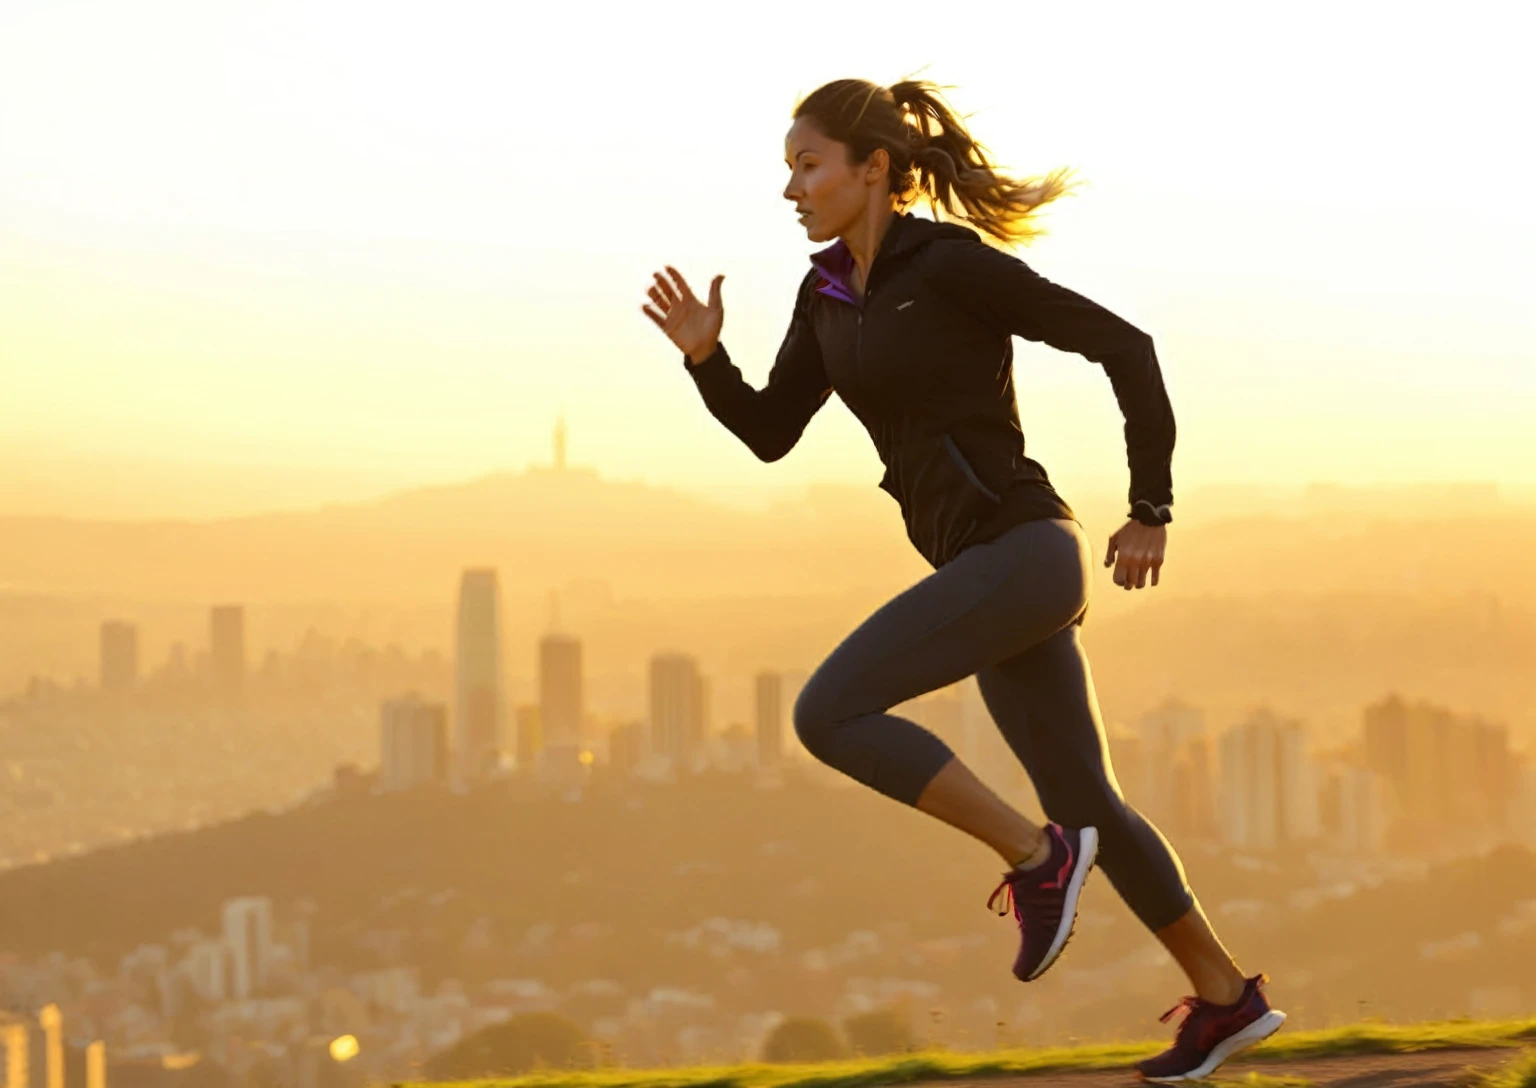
<point>1193,1004</point>
<point>1015,900</point>
<point>1189,1002</point>
<point>1007,887</point>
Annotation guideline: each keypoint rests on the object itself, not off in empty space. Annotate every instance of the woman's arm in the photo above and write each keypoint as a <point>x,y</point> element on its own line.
<point>1012,297</point>
<point>769,420</point>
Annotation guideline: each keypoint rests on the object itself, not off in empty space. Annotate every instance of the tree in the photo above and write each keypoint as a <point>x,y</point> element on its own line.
<point>513,1046</point>
<point>803,1039</point>
<point>879,1031</point>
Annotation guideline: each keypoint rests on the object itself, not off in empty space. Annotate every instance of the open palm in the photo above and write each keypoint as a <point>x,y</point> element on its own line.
<point>692,325</point>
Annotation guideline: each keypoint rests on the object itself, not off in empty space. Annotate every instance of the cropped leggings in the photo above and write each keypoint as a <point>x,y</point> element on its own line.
<point>1009,611</point>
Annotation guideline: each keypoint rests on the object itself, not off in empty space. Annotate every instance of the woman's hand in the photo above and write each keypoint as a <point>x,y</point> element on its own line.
<point>690,324</point>
<point>1140,548</point>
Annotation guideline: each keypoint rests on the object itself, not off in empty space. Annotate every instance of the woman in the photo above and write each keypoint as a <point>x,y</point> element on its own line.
<point>909,321</point>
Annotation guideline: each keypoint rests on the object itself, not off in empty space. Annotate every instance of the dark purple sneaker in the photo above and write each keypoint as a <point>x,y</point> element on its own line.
<point>1044,899</point>
<point>1210,1034</point>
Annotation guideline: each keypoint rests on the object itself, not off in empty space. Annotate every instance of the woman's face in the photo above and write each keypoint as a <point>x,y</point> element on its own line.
<point>829,193</point>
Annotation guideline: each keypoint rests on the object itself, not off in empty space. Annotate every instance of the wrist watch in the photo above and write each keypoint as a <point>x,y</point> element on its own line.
<point>1143,511</point>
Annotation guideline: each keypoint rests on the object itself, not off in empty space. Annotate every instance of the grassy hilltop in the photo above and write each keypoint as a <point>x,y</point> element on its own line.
<point>1368,1037</point>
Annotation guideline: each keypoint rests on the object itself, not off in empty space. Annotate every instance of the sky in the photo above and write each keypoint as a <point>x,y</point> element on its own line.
<point>265,255</point>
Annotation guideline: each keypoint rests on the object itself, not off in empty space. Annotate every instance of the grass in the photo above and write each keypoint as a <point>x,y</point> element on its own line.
<point>1369,1037</point>
<point>1520,1073</point>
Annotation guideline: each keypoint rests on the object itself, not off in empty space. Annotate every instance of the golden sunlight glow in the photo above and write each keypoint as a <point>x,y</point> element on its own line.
<point>253,255</point>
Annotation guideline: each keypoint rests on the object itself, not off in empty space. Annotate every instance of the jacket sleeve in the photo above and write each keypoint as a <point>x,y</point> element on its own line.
<point>1013,298</point>
<point>769,420</point>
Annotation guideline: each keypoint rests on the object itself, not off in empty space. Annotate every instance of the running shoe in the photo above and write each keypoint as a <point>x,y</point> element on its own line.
<point>1210,1034</point>
<point>1044,899</point>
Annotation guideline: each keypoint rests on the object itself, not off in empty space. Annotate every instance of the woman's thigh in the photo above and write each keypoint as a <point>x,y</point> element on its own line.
<point>987,605</point>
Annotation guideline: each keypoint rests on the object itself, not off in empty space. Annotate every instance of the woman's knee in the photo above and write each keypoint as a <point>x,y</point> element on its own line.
<point>1099,805</point>
<point>812,715</point>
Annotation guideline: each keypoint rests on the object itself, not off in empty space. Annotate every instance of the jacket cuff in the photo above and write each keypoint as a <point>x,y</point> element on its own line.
<point>712,360</point>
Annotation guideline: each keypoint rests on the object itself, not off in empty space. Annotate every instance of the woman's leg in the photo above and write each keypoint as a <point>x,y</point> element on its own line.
<point>1043,700</point>
<point>989,603</point>
<point>962,800</point>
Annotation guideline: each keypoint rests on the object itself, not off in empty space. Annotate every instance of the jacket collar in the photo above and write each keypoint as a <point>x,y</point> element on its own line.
<point>907,231</point>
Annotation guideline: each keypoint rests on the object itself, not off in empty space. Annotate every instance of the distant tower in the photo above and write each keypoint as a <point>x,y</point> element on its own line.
<point>52,1022</point>
<point>560,694</point>
<point>560,444</point>
<point>248,933</point>
<point>677,697</point>
<point>477,673</point>
<point>119,655</point>
<point>226,645</point>
<point>15,1045</point>
<point>413,743</point>
<point>770,719</point>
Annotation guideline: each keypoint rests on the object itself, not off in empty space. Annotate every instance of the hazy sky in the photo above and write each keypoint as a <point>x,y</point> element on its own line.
<point>270,253</point>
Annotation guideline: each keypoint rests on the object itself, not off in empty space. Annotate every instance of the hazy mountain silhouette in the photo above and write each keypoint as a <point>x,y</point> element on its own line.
<point>541,527</point>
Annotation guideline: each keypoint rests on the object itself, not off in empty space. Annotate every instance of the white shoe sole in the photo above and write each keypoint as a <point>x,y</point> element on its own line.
<point>1088,849</point>
<point>1259,1030</point>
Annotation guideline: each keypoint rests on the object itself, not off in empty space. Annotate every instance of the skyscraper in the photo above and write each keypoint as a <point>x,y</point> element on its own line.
<point>530,739</point>
<point>248,932</point>
<point>226,646</point>
<point>1444,770</point>
<point>1173,734</point>
<point>677,708</point>
<point>413,743</point>
<point>560,697</point>
<point>119,655</point>
<point>769,701</point>
<point>478,685</point>
<point>1269,795</point>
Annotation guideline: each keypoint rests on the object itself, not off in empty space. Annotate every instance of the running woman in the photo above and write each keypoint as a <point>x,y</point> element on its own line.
<point>909,320</point>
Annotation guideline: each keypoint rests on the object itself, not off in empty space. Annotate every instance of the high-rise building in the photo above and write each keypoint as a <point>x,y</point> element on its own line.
<point>50,1019</point>
<point>478,687</point>
<point>1172,734</point>
<point>119,655</point>
<point>15,1051</point>
<point>626,747</point>
<point>413,743</point>
<point>1522,809</point>
<point>768,690</point>
<point>207,967</point>
<point>1362,810</point>
<point>560,697</point>
<point>1443,771</point>
<point>1268,791</point>
<point>226,646</point>
<point>1192,812</point>
<point>677,709</point>
<point>248,932</point>
<point>530,735</point>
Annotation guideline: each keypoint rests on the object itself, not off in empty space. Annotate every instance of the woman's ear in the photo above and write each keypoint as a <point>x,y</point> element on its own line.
<point>879,165</point>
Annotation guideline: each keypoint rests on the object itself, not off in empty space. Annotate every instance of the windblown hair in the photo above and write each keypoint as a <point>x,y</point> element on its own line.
<point>932,154</point>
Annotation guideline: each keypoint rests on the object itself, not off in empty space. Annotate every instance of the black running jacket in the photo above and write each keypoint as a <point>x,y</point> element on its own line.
<point>926,364</point>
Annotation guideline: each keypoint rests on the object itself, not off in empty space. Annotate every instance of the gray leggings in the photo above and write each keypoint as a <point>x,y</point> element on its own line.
<point>1009,611</point>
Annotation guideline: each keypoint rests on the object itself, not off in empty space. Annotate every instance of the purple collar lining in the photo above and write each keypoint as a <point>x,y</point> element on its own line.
<point>835,263</point>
